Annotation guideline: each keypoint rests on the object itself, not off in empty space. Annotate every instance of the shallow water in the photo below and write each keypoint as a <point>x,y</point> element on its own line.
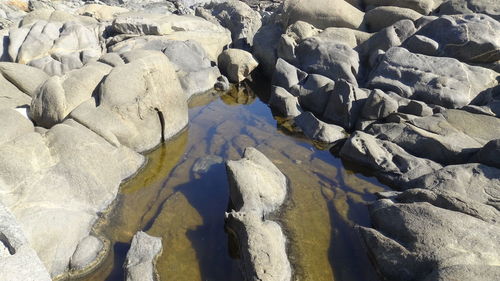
<point>182,195</point>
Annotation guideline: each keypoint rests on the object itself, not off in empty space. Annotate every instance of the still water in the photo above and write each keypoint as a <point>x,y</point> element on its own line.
<point>182,194</point>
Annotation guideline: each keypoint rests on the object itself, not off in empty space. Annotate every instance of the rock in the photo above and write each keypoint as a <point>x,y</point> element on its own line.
<point>345,104</point>
<point>477,182</point>
<point>454,7</point>
<point>151,109</point>
<point>477,272</point>
<point>101,12</point>
<point>294,35</point>
<point>13,125</point>
<point>314,93</point>
<point>318,130</point>
<point>86,252</point>
<point>238,17</point>
<point>257,188</point>
<point>468,38</point>
<point>222,84</point>
<point>284,103</point>
<point>423,7</point>
<point>55,47</point>
<point>448,138</point>
<point>236,64</point>
<point>59,95</point>
<point>203,164</point>
<point>379,105</point>
<point>250,194</point>
<point>384,16</point>
<point>25,78</point>
<point>18,260</point>
<point>323,14</point>
<point>388,161</point>
<point>433,80</point>
<point>329,58</point>
<point>347,36</point>
<point>489,154</point>
<point>265,46</point>
<point>139,264</point>
<point>213,38</point>
<point>57,184</point>
<point>262,248</point>
<point>287,75</point>
<point>413,240</point>
<point>11,96</point>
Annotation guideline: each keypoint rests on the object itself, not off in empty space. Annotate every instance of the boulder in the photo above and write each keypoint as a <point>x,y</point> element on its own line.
<point>18,260</point>
<point>318,130</point>
<point>434,80</point>
<point>11,96</point>
<point>265,46</point>
<point>454,7</point>
<point>86,252</point>
<point>314,93</point>
<point>58,183</point>
<point>13,125</point>
<point>323,13</point>
<point>387,160</point>
<point>384,16</point>
<point>468,38</point>
<point>379,105</point>
<point>329,58</point>
<point>238,17</point>
<point>140,260</point>
<point>55,47</point>
<point>489,154</point>
<point>25,78</point>
<point>101,12</point>
<point>287,75</point>
<point>284,103</point>
<point>423,7</point>
<point>151,109</point>
<point>236,64</point>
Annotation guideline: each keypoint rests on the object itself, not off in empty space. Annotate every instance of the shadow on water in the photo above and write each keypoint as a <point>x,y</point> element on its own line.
<point>177,198</point>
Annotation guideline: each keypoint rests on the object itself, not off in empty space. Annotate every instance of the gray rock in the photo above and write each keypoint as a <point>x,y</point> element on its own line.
<point>203,164</point>
<point>329,58</point>
<point>323,13</point>
<point>454,7</point>
<point>238,17</point>
<point>318,130</point>
<point>18,260</point>
<point>25,78</point>
<point>379,105</point>
<point>314,93</point>
<point>479,272</point>
<point>489,154</point>
<point>258,188</point>
<point>468,38</point>
<point>284,103</point>
<point>13,125</point>
<point>151,109</point>
<point>384,16</point>
<point>86,252</point>
<point>388,161</point>
<point>11,96</point>
<point>265,46</point>
<point>435,80</point>
<point>139,264</point>
<point>424,7</point>
<point>236,64</point>
<point>413,240</point>
<point>345,104</point>
<point>287,75</point>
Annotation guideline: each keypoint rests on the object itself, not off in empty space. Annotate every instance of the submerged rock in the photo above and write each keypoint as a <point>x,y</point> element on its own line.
<point>140,261</point>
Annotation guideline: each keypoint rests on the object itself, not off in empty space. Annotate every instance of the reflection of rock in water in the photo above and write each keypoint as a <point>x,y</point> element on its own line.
<point>239,94</point>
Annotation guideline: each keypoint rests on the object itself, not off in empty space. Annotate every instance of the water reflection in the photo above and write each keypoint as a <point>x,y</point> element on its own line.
<point>182,194</point>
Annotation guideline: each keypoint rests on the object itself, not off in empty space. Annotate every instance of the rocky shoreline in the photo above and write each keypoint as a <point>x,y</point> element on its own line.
<point>408,90</point>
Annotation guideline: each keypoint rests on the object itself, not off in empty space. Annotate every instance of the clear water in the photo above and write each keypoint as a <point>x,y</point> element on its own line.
<point>186,208</point>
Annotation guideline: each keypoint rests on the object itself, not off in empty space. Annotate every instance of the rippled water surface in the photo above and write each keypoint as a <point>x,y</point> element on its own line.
<point>182,195</point>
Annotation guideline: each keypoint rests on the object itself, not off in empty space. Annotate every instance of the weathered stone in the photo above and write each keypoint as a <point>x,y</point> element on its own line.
<point>13,125</point>
<point>489,154</point>
<point>101,12</point>
<point>318,130</point>
<point>323,13</point>
<point>265,46</point>
<point>139,264</point>
<point>422,6</point>
<point>454,7</point>
<point>236,64</point>
<point>384,16</point>
<point>25,78</point>
<point>441,81</point>
<point>314,93</point>
<point>284,103</point>
<point>86,252</point>
<point>287,75</point>
<point>468,38</point>
<point>379,105</point>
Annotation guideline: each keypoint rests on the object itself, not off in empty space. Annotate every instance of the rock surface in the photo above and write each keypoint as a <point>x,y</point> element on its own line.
<point>139,263</point>
<point>237,64</point>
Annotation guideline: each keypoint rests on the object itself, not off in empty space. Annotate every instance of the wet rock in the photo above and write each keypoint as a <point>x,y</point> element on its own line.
<point>139,264</point>
<point>323,14</point>
<point>86,252</point>
<point>283,102</point>
<point>329,58</point>
<point>489,154</point>
<point>454,7</point>
<point>468,38</point>
<point>238,17</point>
<point>55,47</point>
<point>236,64</point>
<point>261,241</point>
<point>203,164</point>
<point>389,161</point>
<point>413,240</point>
<point>384,16</point>
<point>318,130</point>
<point>18,260</point>
<point>440,81</point>
<point>151,109</point>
